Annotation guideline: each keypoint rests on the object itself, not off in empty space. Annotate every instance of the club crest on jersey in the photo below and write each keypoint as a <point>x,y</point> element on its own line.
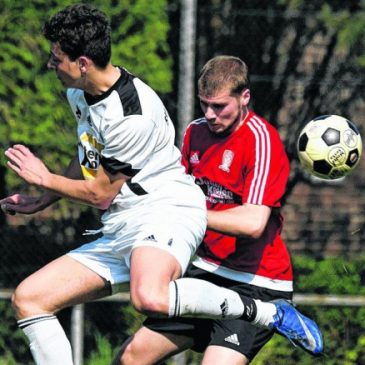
<point>226,160</point>
<point>194,157</point>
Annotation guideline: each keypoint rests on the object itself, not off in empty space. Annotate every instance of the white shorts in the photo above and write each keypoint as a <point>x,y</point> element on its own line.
<point>177,230</point>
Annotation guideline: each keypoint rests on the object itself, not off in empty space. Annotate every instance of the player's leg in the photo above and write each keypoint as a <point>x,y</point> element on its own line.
<point>234,341</point>
<point>162,250</point>
<point>156,290</point>
<point>152,269</point>
<point>163,253</point>
<point>147,347</point>
<point>61,283</point>
<point>217,355</point>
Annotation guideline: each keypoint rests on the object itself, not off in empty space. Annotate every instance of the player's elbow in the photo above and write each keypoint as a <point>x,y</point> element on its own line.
<point>102,203</point>
<point>256,230</point>
<point>100,200</point>
<point>257,233</point>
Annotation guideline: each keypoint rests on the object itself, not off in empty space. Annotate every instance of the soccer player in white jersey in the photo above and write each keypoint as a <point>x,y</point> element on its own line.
<point>127,165</point>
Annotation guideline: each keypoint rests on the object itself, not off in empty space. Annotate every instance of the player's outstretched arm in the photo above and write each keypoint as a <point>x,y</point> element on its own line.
<point>98,193</point>
<point>24,204</point>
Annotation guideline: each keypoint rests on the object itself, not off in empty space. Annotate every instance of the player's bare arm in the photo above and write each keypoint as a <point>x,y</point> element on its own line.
<point>26,204</point>
<point>247,219</point>
<point>98,193</point>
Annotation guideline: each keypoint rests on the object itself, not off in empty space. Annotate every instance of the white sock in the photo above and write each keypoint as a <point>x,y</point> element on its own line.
<point>190,297</point>
<point>48,342</point>
<point>265,313</point>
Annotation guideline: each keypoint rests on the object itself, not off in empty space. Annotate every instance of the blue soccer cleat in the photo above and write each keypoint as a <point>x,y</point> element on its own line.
<point>299,329</point>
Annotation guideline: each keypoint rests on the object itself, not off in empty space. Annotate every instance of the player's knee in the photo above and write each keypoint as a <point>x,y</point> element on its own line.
<point>19,302</point>
<point>24,303</point>
<point>147,300</point>
<point>131,354</point>
<point>128,356</point>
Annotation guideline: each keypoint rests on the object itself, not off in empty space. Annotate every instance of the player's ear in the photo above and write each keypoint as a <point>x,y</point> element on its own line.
<point>84,64</point>
<point>245,97</point>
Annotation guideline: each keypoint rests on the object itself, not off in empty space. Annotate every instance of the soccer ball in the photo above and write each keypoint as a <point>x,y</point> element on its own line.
<point>329,147</point>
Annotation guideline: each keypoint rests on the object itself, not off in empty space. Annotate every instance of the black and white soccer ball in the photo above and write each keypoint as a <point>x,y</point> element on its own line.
<point>329,147</point>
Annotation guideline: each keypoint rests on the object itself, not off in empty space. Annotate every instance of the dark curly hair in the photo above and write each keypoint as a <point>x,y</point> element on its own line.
<point>81,30</point>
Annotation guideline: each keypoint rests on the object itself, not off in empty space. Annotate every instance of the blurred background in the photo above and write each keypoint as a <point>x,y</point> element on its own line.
<point>305,59</point>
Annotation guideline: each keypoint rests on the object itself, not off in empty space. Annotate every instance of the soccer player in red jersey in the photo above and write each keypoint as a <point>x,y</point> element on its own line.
<point>240,163</point>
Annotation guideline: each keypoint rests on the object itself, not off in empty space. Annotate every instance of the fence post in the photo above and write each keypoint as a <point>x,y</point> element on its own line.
<point>186,94</point>
<point>77,333</point>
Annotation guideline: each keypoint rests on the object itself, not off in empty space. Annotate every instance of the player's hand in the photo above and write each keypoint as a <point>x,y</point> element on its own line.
<point>19,203</point>
<point>29,167</point>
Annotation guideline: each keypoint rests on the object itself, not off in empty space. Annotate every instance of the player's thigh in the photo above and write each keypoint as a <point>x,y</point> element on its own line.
<point>152,263</point>
<point>150,347</point>
<point>61,283</point>
<point>217,355</point>
<point>151,271</point>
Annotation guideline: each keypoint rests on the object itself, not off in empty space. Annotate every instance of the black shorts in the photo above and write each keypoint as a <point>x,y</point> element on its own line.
<point>235,334</point>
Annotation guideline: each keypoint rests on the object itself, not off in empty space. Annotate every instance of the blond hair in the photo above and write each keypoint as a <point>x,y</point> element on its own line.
<point>222,73</point>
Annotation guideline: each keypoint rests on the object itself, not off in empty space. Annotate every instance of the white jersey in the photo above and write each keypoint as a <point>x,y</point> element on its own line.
<point>128,130</point>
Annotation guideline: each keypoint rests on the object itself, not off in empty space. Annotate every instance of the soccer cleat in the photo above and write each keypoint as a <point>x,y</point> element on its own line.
<point>299,329</point>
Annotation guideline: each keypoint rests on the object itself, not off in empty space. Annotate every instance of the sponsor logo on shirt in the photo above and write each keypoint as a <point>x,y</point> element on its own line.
<point>89,154</point>
<point>215,193</point>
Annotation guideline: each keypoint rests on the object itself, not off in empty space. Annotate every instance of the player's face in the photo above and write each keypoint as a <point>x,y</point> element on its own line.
<point>67,71</point>
<point>224,111</point>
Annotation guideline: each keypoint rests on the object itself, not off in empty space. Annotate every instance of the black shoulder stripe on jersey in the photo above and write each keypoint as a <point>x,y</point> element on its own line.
<point>113,166</point>
<point>128,94</point>
<point>136,188</point>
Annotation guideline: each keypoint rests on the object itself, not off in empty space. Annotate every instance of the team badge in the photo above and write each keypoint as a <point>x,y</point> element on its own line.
<point>226,160</point>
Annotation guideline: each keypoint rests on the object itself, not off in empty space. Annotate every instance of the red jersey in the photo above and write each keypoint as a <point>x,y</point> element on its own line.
<point>247,166</point>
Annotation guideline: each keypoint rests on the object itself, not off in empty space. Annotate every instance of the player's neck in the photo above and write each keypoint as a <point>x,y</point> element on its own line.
<point>242,119</point>
<point>99,81</point>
